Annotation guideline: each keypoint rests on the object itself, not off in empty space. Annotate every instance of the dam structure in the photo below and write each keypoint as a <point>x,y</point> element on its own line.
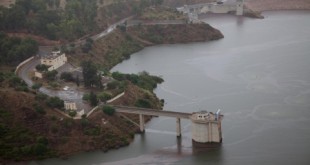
<point>205,126</point>
<point>219,7</point>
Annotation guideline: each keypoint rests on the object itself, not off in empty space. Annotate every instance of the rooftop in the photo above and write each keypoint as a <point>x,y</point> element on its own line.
<point>52,55</point>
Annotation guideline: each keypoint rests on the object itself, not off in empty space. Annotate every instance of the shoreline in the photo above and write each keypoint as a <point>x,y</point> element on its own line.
<point>277,5</point>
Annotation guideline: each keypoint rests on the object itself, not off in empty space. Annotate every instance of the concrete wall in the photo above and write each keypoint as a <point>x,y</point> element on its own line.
<point>23,63</point>
<point>206,132</point>
<point>38,74</point>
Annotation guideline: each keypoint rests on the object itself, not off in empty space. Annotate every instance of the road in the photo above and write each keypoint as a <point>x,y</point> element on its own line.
<point>73,94</point>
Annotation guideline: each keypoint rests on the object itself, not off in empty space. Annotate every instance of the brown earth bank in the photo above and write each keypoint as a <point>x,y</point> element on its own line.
<point>267,5</point>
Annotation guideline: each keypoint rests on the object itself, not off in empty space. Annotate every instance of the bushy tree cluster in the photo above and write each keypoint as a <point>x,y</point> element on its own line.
<point>15,50</point>
<point>143,79</point>
<point>77,19</point>
<point>90,75</point>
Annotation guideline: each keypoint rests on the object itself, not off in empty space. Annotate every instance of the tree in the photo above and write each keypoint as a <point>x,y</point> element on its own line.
<point>72,113</point>
<point>77,80</point>
<point>93,99</point>
<point>104,96</point>
<point>36,86</point>
<point>41,67</point>
<point>67,76</point>
<point>89,74</point>
<point>50,75</point>
<point>108,110</point>
<point>55,102</point>
<point>143,103</point>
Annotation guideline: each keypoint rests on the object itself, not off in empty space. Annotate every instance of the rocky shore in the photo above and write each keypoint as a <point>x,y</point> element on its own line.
<point>268,5</point>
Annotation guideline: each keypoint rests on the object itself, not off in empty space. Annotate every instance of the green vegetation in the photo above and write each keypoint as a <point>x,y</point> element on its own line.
<point>41,67</point>
<point>17,141</point>
<point>143,103</point>
<point>67,76</point>
<point>16,82</point>
<point>90,74</point>
<point>50,75</point>
<point>76,20</point>
<point>72,113</point>
<point>15,50</point>
<point>143,79</point>
<point>93,99</point>
<point>104,96</point>
<point>55,102</point>
<point>108,110</point>
<point>36,86</point>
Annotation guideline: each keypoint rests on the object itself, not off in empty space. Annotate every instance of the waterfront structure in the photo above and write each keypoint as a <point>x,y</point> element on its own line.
<point>206,126</point>
<point>239,9</point>
<point>55,60</point>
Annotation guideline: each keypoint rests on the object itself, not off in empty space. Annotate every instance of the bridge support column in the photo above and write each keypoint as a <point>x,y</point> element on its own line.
<point>141,117</point>
<point>178,122</point>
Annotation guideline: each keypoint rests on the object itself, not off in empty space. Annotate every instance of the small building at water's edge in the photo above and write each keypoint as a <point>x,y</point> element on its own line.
<point>206,128</point>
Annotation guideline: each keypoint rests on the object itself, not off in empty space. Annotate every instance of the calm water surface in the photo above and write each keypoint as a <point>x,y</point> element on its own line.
<point>258,75</point>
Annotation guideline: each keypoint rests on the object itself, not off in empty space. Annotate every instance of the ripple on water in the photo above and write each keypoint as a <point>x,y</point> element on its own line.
<point>281,112</point>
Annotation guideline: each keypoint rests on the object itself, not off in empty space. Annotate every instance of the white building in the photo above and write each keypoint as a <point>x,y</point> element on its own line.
<point>69,105</point>
<point>54,60</point>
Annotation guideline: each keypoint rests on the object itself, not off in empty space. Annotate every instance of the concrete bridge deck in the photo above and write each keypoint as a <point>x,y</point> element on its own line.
<point>152,112</point>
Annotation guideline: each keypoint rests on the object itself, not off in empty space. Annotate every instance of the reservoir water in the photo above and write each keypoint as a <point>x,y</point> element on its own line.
<point>258,75</point>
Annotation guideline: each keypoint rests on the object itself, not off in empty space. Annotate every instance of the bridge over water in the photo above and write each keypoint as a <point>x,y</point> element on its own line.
<point>206,126</point>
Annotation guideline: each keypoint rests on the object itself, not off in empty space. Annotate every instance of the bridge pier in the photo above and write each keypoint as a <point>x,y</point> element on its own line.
<point>141,118</point>
<point>178,125</point>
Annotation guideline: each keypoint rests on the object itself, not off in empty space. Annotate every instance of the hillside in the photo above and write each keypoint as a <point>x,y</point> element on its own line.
<point>120,44</point>
<point>30,129</point>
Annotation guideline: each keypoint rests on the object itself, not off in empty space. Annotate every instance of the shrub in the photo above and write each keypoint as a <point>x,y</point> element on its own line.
<point>55,102</point>
<point>41,97</point>
<point>104,96</point>
<point>40,110</point>
<point>67,76</point>
<point>93,99</point>
<point>143,103</point>
<point>36,86</point>
<point>108,110</point>
<point>86,97</point>
<point>50,75</point>
<point>42,67</point>
<point>72,113</point>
